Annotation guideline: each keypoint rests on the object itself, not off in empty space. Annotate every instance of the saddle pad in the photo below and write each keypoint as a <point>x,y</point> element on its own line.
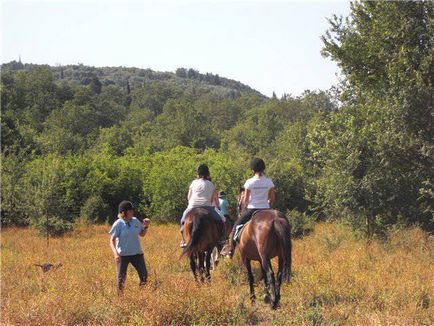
<point>238,230</point>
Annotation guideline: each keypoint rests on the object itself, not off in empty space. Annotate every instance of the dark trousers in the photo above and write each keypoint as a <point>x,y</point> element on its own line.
<point>245,216</point>
<point>212,212</point>
<point>138,261</point>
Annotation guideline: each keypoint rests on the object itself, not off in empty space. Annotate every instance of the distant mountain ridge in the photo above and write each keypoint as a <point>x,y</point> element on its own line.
<point>137,77</point>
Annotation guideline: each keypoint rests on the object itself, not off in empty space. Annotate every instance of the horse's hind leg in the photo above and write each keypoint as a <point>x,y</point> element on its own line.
<point>215,256</point>
<point>201,266</point>
<point>279,280</point>
<point>265,284</point>
<point>266,264</point>
<point>208,265</point>
<point>250,277</point>
<point>193,265</point>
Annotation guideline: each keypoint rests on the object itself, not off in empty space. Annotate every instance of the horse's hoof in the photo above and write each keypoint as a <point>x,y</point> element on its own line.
<point>275,306</point>
<point>267,298</point>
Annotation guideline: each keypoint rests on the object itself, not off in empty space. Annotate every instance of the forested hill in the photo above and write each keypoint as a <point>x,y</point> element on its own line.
<point>76,149</point>
<point>132,77</point>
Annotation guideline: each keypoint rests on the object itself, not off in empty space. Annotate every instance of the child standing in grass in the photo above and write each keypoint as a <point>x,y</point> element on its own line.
<point>125,244</point>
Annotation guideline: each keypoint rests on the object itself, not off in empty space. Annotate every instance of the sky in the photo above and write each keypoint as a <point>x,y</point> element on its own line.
<point>269,45</point>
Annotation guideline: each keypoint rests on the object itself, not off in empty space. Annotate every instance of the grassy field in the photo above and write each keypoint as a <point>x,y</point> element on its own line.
<point>338,280</point>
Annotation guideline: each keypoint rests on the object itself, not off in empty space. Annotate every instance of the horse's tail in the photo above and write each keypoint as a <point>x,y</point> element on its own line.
<point>283,230</point>
<point>195,234</point>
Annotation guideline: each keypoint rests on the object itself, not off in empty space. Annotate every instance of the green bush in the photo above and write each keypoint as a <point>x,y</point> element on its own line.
<point>95,210</point>
<point>114,179</point>
<point>166,185</point>
<point>54,226</point>
<point>13,209</point>
<point>301,224</point>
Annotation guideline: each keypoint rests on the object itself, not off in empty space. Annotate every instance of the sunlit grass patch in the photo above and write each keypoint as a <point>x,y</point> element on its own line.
<point>337,279</point>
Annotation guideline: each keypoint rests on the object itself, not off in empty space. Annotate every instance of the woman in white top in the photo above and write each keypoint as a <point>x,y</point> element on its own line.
<point>202,194</point>
<point>258,194</point>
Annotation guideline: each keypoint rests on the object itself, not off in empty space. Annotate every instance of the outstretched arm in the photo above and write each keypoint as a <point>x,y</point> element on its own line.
<point>271,196</point>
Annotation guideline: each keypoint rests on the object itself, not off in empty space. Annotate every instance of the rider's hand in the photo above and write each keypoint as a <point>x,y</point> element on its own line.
<point>117,258</point>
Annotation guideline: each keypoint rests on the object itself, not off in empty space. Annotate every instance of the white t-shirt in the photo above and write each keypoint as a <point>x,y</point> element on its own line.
<point>201,193</point>
<point>259,187</point>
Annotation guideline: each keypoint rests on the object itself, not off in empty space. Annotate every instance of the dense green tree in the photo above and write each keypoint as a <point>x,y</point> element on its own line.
<point>374,153</point>
<point>27,99</point>
<point>68,130</point>
<point>44,197</point>
<point>153,96</point>
<point>76,140</point>
<point>261,125</point>
<point>182,124</point>
<point>13,170</point>
<point>181,72</point>
<point>95,85</point>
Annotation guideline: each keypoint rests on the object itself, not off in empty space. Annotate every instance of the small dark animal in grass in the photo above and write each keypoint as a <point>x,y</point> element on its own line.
<point>48,266</point>
<point>202,234</point>
<point>267,235</point>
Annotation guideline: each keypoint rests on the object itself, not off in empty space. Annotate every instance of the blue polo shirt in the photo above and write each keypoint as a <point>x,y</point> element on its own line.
<point>127,236</point>
<point>224,206</point>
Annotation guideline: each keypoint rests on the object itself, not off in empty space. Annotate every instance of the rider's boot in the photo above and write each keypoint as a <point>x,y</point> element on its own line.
<point>228,250</point>
<point>182,244</point>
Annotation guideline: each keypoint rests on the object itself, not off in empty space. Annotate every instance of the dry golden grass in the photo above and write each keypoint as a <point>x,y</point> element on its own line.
<point>338,280</point>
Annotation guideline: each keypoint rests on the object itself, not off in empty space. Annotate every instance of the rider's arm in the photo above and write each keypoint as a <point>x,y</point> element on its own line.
<point>246,197</point>
<point>271,196</point>
<point>215,200</point>
<point>189,194</point>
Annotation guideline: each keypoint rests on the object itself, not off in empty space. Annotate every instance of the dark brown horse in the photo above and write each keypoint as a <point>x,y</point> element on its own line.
<point>202,233</point>
<point>267,235</point>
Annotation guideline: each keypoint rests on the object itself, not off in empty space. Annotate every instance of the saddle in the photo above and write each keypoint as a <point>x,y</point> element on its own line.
<point>238,231</point>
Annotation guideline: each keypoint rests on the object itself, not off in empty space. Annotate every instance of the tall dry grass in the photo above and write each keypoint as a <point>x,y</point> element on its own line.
<point>338,280</point>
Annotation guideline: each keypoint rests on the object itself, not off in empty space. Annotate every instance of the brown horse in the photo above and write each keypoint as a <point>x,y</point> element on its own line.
<point>202,234</point>
<point>267,235</point>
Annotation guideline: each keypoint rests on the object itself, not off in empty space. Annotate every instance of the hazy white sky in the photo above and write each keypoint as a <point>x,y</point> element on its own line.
<point>269,45</point>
